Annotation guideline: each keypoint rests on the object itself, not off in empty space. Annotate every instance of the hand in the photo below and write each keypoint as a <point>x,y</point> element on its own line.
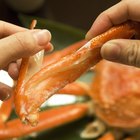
<point>15,43</point>
<point>120,50</point>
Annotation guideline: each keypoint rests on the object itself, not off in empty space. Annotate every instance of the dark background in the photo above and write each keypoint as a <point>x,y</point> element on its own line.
<point>78,13</point>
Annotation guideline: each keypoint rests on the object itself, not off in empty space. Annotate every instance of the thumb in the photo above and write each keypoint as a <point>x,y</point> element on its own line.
<point>22,44</point>
<point>122,51</point>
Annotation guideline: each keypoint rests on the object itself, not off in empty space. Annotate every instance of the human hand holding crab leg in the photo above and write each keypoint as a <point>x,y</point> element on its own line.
<point>68,65</point>
<point>18,42</point>
<point>49,118</point>
<point>49,79</point>
<point>9,131</point>
<point>13,46</point>
<point>121,50</point>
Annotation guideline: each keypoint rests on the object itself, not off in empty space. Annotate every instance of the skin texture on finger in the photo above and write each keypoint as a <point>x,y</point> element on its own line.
<point>122,51</point>
<point>13,70</point>
<point>7,29</point>
<point>121,12</point>
<point>22,44</point>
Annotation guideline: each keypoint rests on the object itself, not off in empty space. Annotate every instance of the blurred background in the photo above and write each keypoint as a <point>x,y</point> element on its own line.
<point>78,13</point>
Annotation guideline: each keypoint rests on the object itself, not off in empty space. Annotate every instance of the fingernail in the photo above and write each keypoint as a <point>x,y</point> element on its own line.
<point>88,36</point>
<point>49,47</point>
<point>42,37</point>
<point>111,50</point>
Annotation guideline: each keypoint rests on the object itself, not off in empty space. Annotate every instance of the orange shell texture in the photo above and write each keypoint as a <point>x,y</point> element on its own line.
<point>116,93</point>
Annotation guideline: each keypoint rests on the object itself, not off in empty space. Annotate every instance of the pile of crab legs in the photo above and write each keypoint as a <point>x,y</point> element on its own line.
<point>114,92</point>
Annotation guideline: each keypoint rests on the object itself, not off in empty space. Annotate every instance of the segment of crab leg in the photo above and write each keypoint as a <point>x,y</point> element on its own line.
<point>48,119</point>
<point>55,76</point>
<point>107,136</point>
<point>26,68</point>
<point>29,66</point>
<point>5,109</point>
<point>55,56</point>
<point>75,88</point>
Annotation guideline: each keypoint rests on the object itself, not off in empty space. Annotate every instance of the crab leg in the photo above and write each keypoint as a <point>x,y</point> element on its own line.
<point>107,136</point>
<point>5,110</point>
<point>55,76</point>
<point>55,56</point>
<point>48,119</point>
<point>76,88</point>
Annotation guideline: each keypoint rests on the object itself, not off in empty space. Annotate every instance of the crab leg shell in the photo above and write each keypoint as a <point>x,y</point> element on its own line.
<point>53,77</point>
<point>48,119</point>
<point>76,88</point>
<point>29,66</point>
<point>107,136</point>
<point>55,56</point>
<point>5,109</point>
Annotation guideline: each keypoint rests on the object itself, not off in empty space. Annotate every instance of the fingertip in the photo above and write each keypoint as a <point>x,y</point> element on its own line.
<point>91,32</point>
<point>42,37</point>
<point>13,71</point>
<point>49,47</point>
<point>88,36</point>
<point>5,92</point>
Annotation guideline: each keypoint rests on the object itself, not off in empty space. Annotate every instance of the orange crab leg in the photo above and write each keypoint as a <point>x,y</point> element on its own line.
<point>55,56</point>
<point>53,77</point>
<point>107,136</point>
<point>75,88</point>
<point>48,119</point>
<point>25,61</point>
<point>5,109</point>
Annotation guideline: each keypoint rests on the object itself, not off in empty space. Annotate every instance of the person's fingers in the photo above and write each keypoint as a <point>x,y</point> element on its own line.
<point>13,67</point>
<point>5,91</point>
<point>22,44</point>
<point>13,70</point>
<point>122,51</point>
<point>121,12</point>
<point>7,29</point>
<point>49,47</point>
